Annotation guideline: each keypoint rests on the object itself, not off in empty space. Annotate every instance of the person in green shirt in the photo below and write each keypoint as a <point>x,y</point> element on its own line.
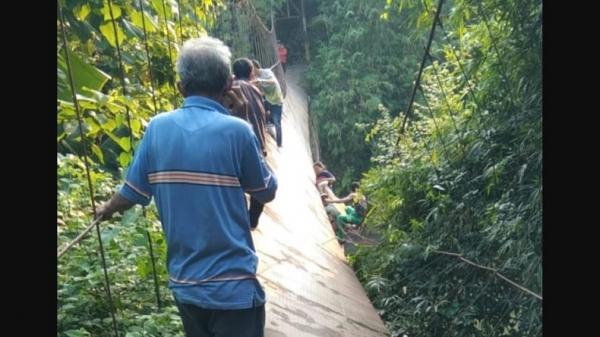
<point>267,82</point>
<point>354,214</point>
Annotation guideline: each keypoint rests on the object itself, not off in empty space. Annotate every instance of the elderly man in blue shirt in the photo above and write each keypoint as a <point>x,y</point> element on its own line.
<point>198,162</point>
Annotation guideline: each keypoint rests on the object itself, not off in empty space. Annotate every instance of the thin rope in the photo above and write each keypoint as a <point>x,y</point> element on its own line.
<point>148,59</point>
<point>131,148</point>
<point>87,169</point>
<point>493,270</point>
<point>195,17</point>
<point>170,75</point>
<point>179,14</point>
<point>418,80</point>
<point>439,134</point>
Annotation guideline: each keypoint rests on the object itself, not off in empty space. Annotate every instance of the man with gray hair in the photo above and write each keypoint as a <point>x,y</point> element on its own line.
<point>197,161</point>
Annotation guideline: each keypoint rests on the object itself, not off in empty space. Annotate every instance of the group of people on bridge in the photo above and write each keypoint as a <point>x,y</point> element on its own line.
<point>264,104</point>
<point>350,216</point>
<point>198,162</point>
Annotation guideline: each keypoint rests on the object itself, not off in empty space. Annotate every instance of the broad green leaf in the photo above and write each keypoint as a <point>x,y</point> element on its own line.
<point>106,11</point>
<point>108,32</point>
<point>135,125</point>
<point>101,98</point>
<point>132,30</point>
<point>98,152</point>
<point>158,7</point>
<point>112,136</point>
<point>109,125</point>
<point>66,113</point>
<point>124,159</point>
<point>82,12</point>
<point>125,143</point>
<point>136,18</point>
<point>77,333</point>
<point>94,127</point>
<point>84,75</point>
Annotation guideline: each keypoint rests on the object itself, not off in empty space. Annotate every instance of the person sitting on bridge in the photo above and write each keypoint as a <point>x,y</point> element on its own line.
<point>325,179</point>
<point>355,213</point>
<point>198,161</point>
<point>330,209</point>
<point>333,212</point>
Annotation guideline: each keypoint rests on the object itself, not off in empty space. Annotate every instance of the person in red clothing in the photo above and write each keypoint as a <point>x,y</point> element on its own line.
<point>282,54</point>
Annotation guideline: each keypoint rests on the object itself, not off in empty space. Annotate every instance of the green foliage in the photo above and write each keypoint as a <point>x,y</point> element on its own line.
<point>263,9</point>
<point>96,72</point>
<point>465,178</point>
<point>233,23</point>
<point>83,307</point>
<point>87,76</point>
<point>360,62</point>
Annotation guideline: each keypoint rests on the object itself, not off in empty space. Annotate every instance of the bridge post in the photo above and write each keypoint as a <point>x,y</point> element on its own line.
<point>306,47</point>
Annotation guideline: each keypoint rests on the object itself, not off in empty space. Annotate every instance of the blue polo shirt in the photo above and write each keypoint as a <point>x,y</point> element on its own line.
<point>197,162</point>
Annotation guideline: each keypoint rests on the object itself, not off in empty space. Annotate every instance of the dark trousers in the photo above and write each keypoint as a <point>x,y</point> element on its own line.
<point>276,111</point>
<point>268,106</point>
<point>256,208</point>
<point>198,322</point>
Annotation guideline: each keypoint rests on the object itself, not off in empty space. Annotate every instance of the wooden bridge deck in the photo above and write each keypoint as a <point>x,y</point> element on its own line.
<point>311,291</point>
